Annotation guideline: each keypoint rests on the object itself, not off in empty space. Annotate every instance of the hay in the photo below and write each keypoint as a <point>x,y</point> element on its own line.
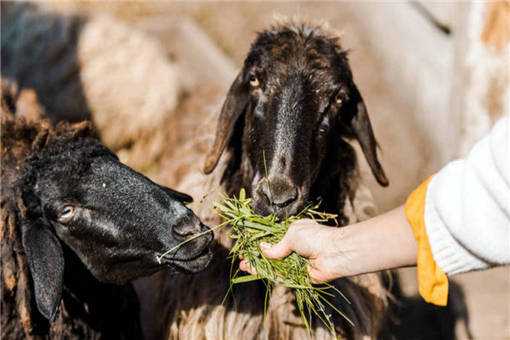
<point>248,230</point>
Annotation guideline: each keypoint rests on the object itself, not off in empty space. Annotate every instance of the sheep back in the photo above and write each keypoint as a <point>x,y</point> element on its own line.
<point>89,67</point>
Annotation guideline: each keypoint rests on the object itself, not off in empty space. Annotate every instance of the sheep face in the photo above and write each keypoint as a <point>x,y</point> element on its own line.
<point>296,102</point>
<point>116,220</point>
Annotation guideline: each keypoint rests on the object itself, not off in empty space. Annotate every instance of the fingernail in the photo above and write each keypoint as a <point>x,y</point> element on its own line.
<point>265,245</point>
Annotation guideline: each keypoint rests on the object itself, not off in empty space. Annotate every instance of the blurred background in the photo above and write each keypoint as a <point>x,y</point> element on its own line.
<point>435,77</point>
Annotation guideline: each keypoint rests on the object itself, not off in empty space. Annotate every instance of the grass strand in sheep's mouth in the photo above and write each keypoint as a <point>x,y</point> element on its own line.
<point>249,229</point>
<point>160,258</point>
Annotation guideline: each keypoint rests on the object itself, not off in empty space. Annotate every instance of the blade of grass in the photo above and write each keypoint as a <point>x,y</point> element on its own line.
<point>245,278</point>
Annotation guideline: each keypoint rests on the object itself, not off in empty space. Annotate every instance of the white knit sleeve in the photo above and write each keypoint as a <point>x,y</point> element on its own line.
<point>467,208</point>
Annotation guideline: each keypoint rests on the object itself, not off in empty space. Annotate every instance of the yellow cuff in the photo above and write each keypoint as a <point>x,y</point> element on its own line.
<point>432,281</point>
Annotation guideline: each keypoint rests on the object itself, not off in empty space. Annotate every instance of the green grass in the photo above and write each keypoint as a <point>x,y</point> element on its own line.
<point>248,230</point>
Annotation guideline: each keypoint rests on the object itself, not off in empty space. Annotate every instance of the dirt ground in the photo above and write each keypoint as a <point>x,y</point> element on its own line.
<point>407,154</point>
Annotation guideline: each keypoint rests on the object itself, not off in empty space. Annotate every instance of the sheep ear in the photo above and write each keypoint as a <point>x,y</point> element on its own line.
<point>233,107</point>
<point>362,129</point>
<point>46,263</point>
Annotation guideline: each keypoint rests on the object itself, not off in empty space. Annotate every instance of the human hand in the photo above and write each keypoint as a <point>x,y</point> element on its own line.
<point>318,243</point>
<point>383,242</point>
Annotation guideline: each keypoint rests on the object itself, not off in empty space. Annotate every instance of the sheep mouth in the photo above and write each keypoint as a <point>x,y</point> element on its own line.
<point>195,263</point>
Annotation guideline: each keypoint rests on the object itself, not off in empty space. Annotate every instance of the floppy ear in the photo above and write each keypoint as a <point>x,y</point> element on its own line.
<point>46,263</point>
<point>233,107</point>
<point>362,130</point>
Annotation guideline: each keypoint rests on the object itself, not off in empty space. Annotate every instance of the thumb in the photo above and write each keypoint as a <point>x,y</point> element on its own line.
<point>277,251</point>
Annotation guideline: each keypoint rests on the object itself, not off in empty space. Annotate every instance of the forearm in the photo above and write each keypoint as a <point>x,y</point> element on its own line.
<point>383,242</point>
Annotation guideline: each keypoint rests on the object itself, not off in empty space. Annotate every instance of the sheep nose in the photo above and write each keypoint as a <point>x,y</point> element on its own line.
<point>187,227</point>
<point>279,192</point>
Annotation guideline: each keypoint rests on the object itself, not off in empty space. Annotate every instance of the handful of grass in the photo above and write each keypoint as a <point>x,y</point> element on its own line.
<point>249,229</point>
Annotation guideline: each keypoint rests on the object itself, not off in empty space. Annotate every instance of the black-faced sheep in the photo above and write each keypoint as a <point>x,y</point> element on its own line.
<point>203,313</point>
<point>286,120</point>
<point>285,123</point>
<point>76,226</point>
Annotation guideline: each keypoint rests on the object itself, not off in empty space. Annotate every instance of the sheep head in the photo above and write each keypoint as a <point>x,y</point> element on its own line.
<point>73,193</point>
<point>297,103</point>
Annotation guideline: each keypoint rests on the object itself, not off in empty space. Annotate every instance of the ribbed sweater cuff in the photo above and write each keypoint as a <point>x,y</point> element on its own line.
<point>448,253</point>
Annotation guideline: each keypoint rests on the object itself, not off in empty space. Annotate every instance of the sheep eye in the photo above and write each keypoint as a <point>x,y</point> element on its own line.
<point>341,96</point>
<point>66,214</point>
<point>339,99</point>
<point>254,82</point>
<point>324,126</point>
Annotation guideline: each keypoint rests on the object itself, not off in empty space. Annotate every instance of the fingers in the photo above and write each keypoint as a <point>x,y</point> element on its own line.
<point>277,251</point>
<point>246,267</point>
<point>299,238</point>
<point>294,240</point>
<point>317,276</point>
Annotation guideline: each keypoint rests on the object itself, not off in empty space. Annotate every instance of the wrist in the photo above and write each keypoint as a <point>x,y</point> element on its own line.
<point>383,242</point>
<point>349,254</point>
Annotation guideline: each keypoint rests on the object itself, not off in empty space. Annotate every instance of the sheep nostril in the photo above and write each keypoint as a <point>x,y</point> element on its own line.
<point>285,198</point>
<point>184,230</point>
<point>279,196</point>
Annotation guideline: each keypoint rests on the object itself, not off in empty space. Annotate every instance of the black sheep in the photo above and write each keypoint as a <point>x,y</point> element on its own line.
<point>286,123</point>
<point>273,119</point>
<point>286,120</point>
<point>76,226</point>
